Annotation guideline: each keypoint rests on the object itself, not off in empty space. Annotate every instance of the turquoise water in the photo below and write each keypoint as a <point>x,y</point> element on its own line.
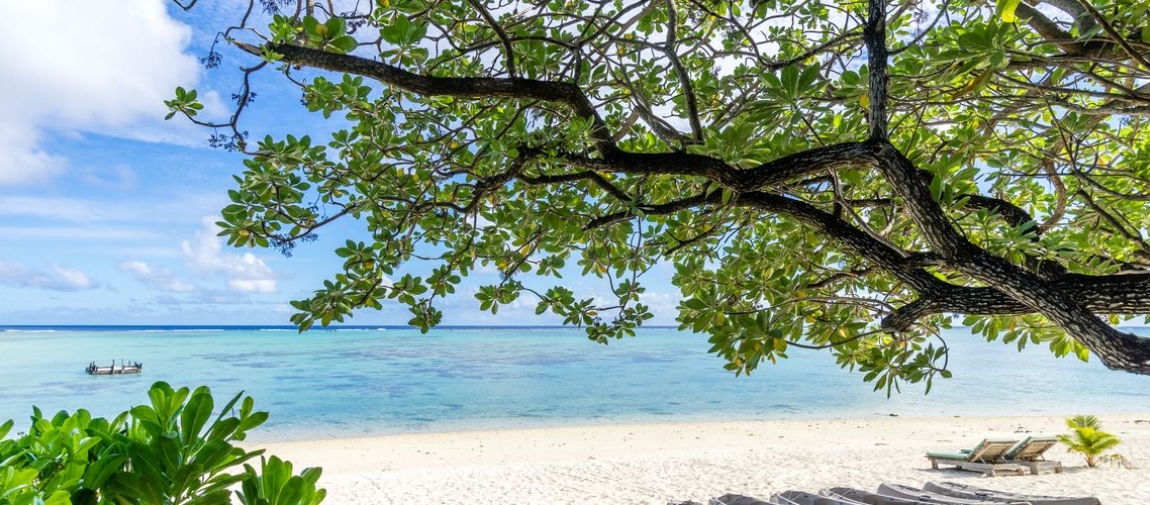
<point>328,384</point>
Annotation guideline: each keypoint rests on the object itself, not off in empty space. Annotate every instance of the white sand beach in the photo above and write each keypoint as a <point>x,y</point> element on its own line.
<point>661,462</point>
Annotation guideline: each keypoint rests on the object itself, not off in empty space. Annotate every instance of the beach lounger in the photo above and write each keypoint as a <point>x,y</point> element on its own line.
<point>869,498</point>
<point>805,498</point>
<point>738,499</point>
<point>1029,452</point>
<point>986,457</point>
<point>913,493</point>
<point>990,495</point>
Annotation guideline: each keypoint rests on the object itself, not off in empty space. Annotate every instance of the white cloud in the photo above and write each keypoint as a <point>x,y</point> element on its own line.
<point>252,285</point>
<point>20,160</point>
<point>99,65</point>
<point>245,272</point>
<point>664,306</point>
<point>65,209</point>
<point>73,278</point>
<point>58,279</point>
<point>204,257</point>
<point>156,277</point>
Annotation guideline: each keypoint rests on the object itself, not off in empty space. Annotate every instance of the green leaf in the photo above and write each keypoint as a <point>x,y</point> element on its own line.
<point>311,25</point>
<point>196,414</point>
<point>104,467</point>
<point>336,26</point>
<point>1006,9</point>
<point>344,43</point>
<point>936,188</point>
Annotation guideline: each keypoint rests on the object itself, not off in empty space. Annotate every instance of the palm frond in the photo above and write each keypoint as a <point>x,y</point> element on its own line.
<point>1084,421</point>
<point>1087,438</point>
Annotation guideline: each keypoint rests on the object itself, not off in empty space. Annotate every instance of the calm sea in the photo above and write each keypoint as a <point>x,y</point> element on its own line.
<point>373,381</point>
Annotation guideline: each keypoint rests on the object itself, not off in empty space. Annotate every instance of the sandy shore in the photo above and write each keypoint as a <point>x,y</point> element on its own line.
<point>662,462</point>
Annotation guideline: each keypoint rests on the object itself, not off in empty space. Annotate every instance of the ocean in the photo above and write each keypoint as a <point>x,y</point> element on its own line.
<point>374,381</point>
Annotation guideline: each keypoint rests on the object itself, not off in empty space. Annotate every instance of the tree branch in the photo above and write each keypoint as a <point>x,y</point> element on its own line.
<point>1133,53</point>
<point>874,36</point>
<point>499,32</point>
<point>684,78</point>
<point>1049,29</point>
<point>593,177</point>
<point>896,262</point>
<point>1016,217</point>
<point>763,177</point>
<point>1110,294</point>
<point>1116,350</point>
<point>466,87</point>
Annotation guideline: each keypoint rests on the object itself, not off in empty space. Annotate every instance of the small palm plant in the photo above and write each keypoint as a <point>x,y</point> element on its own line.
<point>1087,438</point>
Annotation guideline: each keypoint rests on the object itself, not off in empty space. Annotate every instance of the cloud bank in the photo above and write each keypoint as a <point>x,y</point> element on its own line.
<point>156,277</point>
<point>244,272</point>
<point>57,279</point>
<point>97,65</point>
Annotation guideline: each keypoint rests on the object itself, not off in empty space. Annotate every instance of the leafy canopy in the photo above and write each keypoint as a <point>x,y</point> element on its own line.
<point>843,175</point>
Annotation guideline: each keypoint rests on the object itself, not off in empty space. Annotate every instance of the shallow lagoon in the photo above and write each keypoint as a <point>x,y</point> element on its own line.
<point>358,382</point>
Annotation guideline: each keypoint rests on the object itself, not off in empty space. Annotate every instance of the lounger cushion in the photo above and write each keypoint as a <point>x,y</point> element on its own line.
<point>966,455</point>
<point>948,455</point>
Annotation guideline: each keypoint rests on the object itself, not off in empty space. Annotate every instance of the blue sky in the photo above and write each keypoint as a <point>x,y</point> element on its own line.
<point>106,210</point>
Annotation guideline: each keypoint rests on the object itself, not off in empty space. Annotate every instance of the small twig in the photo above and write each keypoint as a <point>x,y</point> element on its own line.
<point>499,32</point>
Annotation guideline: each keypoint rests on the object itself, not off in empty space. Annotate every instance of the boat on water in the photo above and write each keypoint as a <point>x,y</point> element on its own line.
<point>123,368</point>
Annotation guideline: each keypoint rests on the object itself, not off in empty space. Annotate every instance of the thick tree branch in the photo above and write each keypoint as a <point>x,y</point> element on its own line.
<point>1113,294</point>
<point>763,177</point>
<point>1049,29</point>
<point>901,265</point>
<point>874,35</point>
<point>773,173</point>
<point>1117,350</point>
<point>897,263</point>
<point>675,163</point>
<point>465,87</point>
<point>1110,294</point>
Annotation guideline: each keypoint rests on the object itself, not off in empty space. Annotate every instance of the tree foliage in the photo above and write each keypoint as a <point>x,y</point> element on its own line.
<point>845,175</point>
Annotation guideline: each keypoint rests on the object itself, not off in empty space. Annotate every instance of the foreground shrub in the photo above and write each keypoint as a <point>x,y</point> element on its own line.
<point>1087,438</point>
<point>171,451</point>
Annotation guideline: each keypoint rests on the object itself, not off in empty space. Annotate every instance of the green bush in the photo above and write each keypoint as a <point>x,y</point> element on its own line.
<point>1087,438</point>
<point>169,452</point>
